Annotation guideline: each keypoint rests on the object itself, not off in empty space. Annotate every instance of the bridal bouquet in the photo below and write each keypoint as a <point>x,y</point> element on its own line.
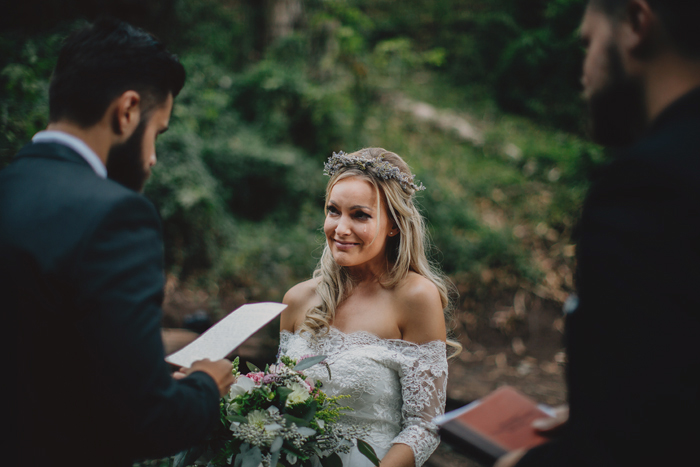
<point>279,417</point>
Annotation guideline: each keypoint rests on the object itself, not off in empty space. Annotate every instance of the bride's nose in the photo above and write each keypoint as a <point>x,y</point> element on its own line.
<point>343,227</point>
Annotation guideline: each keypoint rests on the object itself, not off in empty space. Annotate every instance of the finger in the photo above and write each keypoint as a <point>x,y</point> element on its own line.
<point>510,459</point>
<point>562,412</point>
<point>544,424</point>
<point>178,375</point>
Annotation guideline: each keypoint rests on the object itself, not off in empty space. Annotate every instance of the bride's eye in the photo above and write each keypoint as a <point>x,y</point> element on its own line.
<point>362,215</point>
<point>331,209</point>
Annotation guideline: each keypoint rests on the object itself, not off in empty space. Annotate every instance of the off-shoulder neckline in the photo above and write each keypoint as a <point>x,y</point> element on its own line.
<point>349,335</point>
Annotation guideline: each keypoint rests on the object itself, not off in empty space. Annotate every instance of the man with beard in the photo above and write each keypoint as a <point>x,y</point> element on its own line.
<point>81,273</point>
<point>633,369</point>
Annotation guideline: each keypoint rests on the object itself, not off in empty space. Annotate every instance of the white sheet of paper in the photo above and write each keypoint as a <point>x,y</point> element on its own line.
<point>225,336</point>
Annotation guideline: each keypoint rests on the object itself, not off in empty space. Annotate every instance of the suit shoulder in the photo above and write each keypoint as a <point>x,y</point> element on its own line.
<point>672,154</point>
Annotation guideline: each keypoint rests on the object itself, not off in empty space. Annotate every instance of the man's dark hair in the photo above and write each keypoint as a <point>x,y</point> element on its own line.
<point>100,62</point>
<point>679,16</point>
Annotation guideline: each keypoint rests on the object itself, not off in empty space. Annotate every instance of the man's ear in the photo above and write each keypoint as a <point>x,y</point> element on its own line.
<point>640,25</point>
<point>126,114</point>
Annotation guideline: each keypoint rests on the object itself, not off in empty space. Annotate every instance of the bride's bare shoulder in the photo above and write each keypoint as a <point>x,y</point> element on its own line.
<point>299,299</point>
<point>421,319</point>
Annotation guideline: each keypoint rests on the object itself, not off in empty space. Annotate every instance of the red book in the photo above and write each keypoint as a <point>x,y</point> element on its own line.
<point>494,425</point>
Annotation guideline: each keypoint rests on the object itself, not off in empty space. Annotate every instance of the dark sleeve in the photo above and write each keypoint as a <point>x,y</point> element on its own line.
<point>633,365</point>
<point>120,295</point>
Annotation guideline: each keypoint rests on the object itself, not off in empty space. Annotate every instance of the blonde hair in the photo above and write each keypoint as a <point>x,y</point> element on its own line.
<point>405,252</point>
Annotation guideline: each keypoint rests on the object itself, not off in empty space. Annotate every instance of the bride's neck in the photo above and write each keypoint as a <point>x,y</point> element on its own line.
<point>368,274</point>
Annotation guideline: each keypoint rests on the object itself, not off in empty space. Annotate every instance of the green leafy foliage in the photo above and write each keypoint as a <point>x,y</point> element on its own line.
<point>239,182</point>
<point>367,451</point>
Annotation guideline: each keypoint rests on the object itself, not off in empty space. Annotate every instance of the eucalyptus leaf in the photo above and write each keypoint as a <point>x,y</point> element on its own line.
<point>283,393</point>
<point>252,367</point>
<point>245,447</point>
<point>306,431</point>
<point>308,412</point>
<point>237,418</point>
<point>297,421</point>
<point>309,362</point>
<point>332,461</point>
<point>188,456</point>
<point>276,446</point>
<point>367,451</point>
<point>274,457</point>
<point>251,458</point>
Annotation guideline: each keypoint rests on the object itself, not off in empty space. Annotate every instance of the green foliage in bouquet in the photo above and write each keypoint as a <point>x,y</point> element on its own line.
<point>278,417</point>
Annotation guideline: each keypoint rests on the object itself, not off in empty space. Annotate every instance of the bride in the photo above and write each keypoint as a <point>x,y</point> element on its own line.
<point>375,307</point>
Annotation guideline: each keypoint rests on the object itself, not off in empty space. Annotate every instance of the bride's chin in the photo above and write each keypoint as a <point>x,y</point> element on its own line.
<point>342,260</point>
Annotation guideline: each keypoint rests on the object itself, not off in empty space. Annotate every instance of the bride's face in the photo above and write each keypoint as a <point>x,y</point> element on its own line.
<point>355,229</point>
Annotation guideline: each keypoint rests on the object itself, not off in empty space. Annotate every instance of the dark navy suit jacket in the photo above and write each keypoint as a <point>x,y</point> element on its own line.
<point>81,287</point>
<point>633,342</point>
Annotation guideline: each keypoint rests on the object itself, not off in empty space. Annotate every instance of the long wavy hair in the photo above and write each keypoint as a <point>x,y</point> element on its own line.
<point>404,252</point>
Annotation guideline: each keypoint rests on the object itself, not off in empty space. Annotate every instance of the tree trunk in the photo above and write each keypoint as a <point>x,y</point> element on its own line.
<point>282,17</point>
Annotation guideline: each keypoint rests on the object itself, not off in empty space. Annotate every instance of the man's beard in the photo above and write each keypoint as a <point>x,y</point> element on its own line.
<point>125,163</point>
<point>617,111</point>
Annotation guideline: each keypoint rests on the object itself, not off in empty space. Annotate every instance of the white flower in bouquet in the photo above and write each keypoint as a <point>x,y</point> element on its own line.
<point>242,386</point>
<point>300,393</point>
<point>257,418</point>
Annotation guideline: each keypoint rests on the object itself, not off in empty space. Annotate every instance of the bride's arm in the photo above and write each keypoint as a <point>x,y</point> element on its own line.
<point>423,373</point>
<point>400,455</point>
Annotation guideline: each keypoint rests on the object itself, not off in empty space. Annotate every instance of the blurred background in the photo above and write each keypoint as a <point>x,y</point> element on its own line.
<point>481,97</point>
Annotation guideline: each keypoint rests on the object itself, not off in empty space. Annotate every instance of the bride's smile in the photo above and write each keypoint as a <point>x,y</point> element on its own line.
<point>357,224</point>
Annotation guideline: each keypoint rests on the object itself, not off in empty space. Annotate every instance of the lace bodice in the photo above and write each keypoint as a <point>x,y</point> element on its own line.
<point>396,387</point>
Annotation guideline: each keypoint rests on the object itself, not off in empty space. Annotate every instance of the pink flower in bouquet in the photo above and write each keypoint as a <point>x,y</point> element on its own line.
<point>270,378</point>
<point>256,377</point>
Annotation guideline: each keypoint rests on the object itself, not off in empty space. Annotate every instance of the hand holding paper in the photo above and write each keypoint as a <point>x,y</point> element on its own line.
<point>220,371</point>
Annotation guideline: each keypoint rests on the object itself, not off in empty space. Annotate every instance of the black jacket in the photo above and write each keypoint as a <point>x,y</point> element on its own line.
<point>81,285</point>
<point>633,357</point>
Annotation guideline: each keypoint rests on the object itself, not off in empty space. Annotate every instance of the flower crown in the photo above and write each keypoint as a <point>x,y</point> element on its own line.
<point>383,169</point>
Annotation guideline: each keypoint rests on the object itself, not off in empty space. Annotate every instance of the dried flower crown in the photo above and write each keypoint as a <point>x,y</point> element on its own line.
<point>382,168</point>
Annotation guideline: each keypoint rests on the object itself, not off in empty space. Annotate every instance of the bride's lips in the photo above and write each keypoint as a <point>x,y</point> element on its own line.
<point>344,245</point>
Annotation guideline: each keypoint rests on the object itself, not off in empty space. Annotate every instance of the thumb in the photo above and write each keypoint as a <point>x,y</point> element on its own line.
<point>545,423</point>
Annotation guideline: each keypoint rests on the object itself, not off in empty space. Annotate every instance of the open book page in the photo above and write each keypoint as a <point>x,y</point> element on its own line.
<point>226,335</point>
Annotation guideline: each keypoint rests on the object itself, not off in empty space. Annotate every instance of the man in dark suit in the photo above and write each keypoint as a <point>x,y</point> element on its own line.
<point>633,369</point>
<point>81,273</point>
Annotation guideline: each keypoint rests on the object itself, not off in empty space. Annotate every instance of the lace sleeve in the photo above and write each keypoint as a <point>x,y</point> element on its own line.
<point>423,386</point>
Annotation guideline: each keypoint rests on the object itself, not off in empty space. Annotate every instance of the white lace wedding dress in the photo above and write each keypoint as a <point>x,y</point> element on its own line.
<point>396,387</point>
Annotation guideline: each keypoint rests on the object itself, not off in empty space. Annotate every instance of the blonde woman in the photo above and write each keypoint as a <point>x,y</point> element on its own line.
<point>376,307</point>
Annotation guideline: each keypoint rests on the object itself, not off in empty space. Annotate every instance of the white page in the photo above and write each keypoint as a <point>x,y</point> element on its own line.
<point>226,335</point>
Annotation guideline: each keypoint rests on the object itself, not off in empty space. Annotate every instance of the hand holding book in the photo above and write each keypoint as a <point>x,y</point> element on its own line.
<point>501,426</point>
<point>547,426</point>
